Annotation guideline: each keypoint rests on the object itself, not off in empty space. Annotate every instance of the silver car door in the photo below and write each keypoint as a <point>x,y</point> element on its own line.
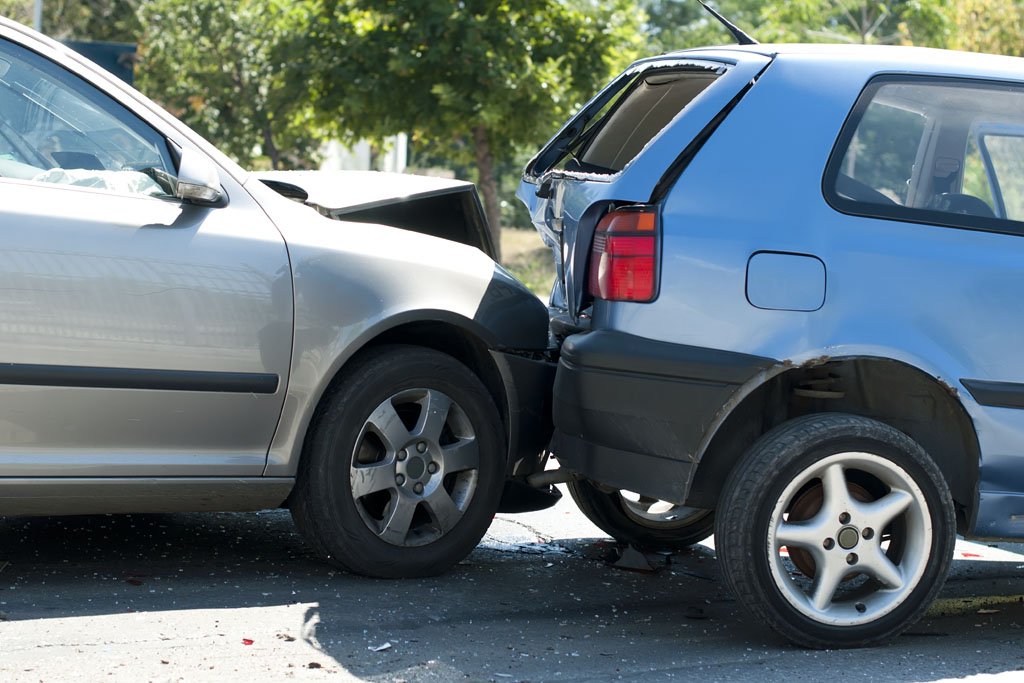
<point>140,335</point>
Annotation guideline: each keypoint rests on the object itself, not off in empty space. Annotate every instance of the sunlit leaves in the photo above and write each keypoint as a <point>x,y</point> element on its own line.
<point>104,20</point>
<point>232,69</point>
<point>453,73</point>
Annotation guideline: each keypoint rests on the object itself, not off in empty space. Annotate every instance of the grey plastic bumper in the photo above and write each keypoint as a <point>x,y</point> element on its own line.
<point>631,413</point>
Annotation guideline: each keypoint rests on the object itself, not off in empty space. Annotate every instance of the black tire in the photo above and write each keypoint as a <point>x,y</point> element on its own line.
<point>879,485</point>
<point>384,491</point>
<point>635,522</point>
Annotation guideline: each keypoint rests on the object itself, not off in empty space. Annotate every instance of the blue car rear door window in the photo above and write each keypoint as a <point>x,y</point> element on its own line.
<point>1002,150</point>
<point>933,150</point>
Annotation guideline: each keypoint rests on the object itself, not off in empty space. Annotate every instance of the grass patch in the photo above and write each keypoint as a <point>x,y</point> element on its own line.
<point>529,259</point>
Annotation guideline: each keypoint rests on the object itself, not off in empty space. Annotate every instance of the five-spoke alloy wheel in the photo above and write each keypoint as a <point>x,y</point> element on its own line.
<point>404,467</point>
<point>835,529</point>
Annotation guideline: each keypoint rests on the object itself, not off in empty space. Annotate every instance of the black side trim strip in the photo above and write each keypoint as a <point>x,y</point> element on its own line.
<point>131,378</point>
<point>997,394</point>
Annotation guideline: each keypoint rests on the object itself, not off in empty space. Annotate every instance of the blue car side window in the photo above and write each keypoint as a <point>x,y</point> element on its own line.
<point>932,150</point>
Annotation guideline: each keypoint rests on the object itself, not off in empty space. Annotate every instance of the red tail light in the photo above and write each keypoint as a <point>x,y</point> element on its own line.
<point>624,256</point>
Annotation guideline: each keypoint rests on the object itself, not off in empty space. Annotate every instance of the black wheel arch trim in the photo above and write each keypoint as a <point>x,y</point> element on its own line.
<point>514,316</point>
<point>620,401</point>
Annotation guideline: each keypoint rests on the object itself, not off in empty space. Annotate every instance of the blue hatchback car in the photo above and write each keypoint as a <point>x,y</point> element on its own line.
<point>791,295</point>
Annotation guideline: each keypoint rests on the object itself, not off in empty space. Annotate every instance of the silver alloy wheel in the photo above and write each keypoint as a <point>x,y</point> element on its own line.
<point>868,556</point>
<point>658,514</point>
<point>414,467</point>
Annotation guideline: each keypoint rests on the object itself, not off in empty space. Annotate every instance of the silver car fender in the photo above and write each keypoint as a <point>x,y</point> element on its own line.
<point>354,281</point>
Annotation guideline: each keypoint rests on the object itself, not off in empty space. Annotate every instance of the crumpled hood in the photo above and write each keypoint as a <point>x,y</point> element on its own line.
<point>441,207</point>
<point>354,190</point>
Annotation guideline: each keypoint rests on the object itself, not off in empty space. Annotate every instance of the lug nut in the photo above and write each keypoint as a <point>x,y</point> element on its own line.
<point>421,447</point>
<point>851,558</point>
<point>432,467</point>
<point>829,544</point>
<point>844,518</point>
<point>867,533</point>
<point>402,455</point>
<point>400,479</point>
<point>861,607</point>
<point>418,488</point>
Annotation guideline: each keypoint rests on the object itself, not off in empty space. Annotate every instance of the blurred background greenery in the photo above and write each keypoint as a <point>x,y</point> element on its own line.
<point>477,86</point>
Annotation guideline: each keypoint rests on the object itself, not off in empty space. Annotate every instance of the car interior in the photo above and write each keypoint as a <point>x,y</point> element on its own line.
<point>951,147</point>
<point>54,128</point>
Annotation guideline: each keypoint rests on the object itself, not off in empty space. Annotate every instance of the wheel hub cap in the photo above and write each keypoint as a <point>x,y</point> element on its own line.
<point>848,537</point>
<point>416,467</point>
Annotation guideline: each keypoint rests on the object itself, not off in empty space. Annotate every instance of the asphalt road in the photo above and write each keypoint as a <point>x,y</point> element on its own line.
<point>237,597</point>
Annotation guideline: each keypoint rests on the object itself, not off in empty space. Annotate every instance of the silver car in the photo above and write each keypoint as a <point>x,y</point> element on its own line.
<point>181,335</point>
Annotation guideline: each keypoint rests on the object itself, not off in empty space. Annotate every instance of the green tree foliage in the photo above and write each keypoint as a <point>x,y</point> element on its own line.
<point>987,26</point>
<point>684,23</point>
<point>976,25</point>
<point>921,22</point>
<point>679,24</point>
<point>105,20</point>
<point>17,10</point>
<point>474,78</point>
<point>226,68</point>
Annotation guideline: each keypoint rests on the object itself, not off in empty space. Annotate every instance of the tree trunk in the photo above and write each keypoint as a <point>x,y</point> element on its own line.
<point>488,187</point>
<point>269,148</point>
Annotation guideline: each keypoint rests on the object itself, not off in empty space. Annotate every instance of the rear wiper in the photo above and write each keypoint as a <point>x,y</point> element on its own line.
<point>581,141</point>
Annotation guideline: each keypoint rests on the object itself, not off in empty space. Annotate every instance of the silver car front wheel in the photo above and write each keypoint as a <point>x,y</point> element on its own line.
<point>403,468</point>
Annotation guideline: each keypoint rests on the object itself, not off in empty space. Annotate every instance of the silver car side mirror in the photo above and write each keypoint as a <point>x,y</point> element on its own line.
<point>198,180</point>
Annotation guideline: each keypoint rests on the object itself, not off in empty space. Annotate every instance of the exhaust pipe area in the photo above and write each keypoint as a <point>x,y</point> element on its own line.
<point>549,477</point>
